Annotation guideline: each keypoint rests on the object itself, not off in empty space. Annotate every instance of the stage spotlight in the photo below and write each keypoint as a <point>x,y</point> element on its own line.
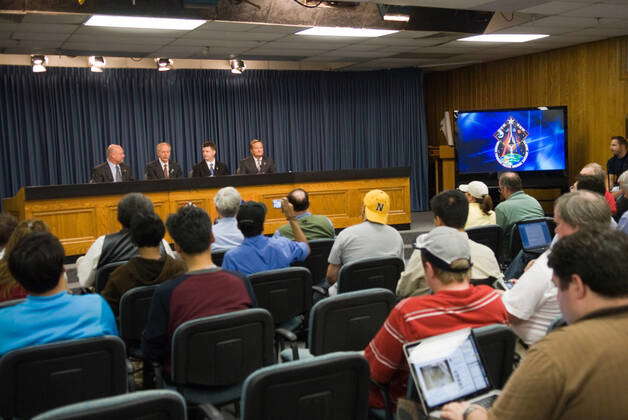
<point>164,64</point>
<point>237,66</point>
<point>97,63</point>
<point>39,63</point>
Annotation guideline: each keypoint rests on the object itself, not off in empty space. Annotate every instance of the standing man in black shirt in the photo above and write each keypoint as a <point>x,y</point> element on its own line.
<point>619,162</point>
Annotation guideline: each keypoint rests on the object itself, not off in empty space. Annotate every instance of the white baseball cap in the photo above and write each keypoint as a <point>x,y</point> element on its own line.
<point>443,246</point>
<point>478,189</point>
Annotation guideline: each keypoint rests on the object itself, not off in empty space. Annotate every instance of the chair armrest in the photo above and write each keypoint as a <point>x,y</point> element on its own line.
<point>159,374</point>
<point>383,390</point>
<point>286,334</point>
<point>211,412</point>
<point>320,290</point>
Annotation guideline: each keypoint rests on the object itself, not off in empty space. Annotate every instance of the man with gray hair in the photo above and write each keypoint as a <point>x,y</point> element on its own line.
<point>114,169</point>
<point>226,232</point>
<point>531,303</point>
<point>163,167</point>
<point>117,246</point>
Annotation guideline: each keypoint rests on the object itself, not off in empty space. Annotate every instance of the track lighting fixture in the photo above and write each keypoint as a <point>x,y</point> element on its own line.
<point>237,66</point>
<point>97,63</point>
<point>39,63</point>
<point>164,64</point>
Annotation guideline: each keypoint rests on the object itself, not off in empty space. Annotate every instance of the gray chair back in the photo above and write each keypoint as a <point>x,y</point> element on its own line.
<point>330,387</point>
<point>316,262</point>
<point>496,344</point>
<point>349,321</point>
<point>489,235</point>
<point>134,307</point>
<point>369,273</point>
<point>8,303</point>
<point>222,350</point>
<point>38,378</point>
<point>285,293</point>
<point>142,405</point>
<point>102,274</point>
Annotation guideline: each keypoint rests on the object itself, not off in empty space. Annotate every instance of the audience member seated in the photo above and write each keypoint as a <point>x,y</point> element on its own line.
<point>594,183</point>
<point>9,288</point>
<point>260,253</point>
<point>532,303</point>
<point>226,232</point>
<point>372,238</point>
<point>450,209</point>
<point>117,246</point>
<point>314,226</point>
<point>49,313</point>
<point>596,169</point>
<point>7,225</point>
<point>480,204</point>
<point>578,371</point>
<point>204,290</point>
<point>455,304</point>
<point>622,198</point>
<point>148,267</point>
<point>516,207</point>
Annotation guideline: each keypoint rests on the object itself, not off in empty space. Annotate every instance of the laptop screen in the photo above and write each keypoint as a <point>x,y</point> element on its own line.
<point>534,235</point>
<point>447,368</point>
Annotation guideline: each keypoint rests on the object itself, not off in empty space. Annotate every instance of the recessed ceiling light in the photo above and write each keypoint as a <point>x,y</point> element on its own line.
<point>144,22</point>
<point>355,32</point>
<point>503,38</point>
<point>397,17</point>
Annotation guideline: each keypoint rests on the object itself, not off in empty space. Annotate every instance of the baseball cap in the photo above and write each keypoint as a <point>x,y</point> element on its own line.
<point>376,206</point>
<point>251,213</point>
<point>477,189</point>
<point>444,245</point>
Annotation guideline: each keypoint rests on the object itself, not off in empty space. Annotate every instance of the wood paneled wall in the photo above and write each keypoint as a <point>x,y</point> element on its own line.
<point>588,78</point>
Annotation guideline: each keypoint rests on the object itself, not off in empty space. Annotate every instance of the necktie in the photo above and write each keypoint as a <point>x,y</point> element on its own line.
<point>166,173</point>
<point>211,169</point>
<point>258,163</point>
<point>118,174</point>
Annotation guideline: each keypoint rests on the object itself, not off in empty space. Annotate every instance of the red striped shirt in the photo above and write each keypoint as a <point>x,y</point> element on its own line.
<point>419,317</point>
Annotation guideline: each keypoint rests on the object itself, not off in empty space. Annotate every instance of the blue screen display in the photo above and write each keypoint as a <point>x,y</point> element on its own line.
<point>515,140</point>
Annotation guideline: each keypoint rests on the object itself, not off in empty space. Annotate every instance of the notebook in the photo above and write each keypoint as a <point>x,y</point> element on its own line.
<point>535,237</point>
<point>447,368</point>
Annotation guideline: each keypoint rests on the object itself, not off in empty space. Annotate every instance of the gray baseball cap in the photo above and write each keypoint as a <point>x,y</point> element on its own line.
<point>444,245</point>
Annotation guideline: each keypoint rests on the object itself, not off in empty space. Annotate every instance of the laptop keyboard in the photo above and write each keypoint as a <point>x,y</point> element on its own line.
<point>486,402</point>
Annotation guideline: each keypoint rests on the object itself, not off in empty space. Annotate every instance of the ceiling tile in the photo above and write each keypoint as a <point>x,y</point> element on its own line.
<point>99,32</point>
<point>72,18</point>
<point>601,10</point>
<point>39,36</point>
<point>546,30</point>
<point>278,29</point>
<point>552,8</point>
<point>47,27</point>
<point>356,54</point>
<point>227,26</point>
<point>562,21</point>
<point>119,39</point>
<point>101,47</point>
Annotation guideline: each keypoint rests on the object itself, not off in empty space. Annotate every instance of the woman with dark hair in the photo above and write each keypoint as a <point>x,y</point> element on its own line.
<point>480,204</point>
<point>9,287</point>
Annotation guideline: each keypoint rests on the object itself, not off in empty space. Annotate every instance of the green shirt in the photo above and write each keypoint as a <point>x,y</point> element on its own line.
<point>518,207</point>
<point>313,226</point>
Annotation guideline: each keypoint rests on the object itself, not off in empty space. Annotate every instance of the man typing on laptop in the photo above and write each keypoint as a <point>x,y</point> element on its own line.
<point>578,371</point>
<point>455,304</point>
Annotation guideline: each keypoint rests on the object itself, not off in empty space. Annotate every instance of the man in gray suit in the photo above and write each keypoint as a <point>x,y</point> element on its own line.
<point>114,169</point>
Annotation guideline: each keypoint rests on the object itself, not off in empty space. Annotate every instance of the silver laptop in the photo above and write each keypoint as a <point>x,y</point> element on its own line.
<point>448,368</point>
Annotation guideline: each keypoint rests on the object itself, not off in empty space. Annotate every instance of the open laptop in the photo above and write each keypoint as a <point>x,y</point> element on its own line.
<point>535,236</point>
<point>448,368</point>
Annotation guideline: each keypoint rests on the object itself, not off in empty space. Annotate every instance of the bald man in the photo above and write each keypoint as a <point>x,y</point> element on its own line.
<point>114,169</point>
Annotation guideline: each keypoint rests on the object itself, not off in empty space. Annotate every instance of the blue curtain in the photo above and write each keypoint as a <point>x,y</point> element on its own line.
<point>56,125</point>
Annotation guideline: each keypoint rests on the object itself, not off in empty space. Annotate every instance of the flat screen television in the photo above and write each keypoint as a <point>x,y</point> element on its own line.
<point>526,140</point>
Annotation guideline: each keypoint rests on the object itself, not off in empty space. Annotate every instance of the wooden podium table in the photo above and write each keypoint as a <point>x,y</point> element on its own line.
<point>78,214</point>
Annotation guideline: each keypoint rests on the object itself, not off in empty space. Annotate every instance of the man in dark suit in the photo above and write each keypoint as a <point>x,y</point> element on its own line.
<point>113,170</point>
<point>163,167</point>
<point>257,163</point>
<point>209,166</point>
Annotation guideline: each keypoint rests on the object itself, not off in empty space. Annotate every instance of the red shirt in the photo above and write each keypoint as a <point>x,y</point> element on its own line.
<point>420,317</point>
<point>611,201</point>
